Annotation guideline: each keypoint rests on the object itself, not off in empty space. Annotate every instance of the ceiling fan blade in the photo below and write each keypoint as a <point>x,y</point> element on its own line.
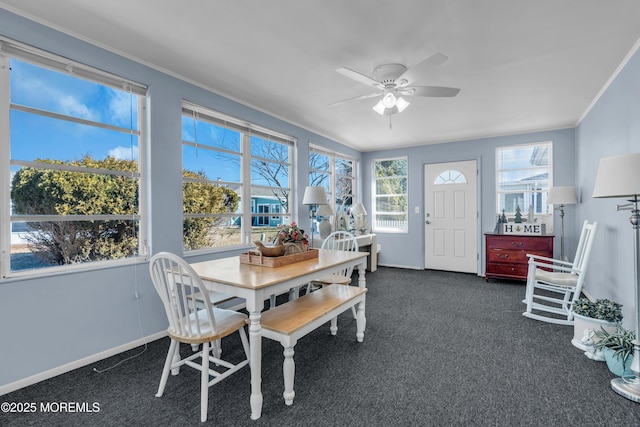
<point>432,91</point>
<point>357,98</point>
<point>416,71</point>
<point>354,75</point>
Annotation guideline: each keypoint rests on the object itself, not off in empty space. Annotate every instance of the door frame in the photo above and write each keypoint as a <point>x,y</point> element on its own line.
<point>479,205</point>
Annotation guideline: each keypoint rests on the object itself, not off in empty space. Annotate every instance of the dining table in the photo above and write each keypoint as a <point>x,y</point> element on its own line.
<point>256,283</point>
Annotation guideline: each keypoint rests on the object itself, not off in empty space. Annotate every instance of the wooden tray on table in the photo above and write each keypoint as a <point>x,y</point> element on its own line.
<point>279,261</point>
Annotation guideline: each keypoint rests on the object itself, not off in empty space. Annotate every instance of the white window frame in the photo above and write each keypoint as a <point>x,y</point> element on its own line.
<point>376,227</point>
<point>333,174</point>
<point>11,49</point>
<point>546,216</point>
<point>247,130</point>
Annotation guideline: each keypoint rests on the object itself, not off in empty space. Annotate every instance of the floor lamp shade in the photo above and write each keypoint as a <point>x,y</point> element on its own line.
<point>620,177</point>
<point>562,196</point>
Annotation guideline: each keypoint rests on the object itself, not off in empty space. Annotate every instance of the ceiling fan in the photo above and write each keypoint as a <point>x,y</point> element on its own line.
<point>393,82</point>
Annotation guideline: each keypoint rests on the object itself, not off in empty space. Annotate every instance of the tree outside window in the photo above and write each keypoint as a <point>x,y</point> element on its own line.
<point>390,195</point>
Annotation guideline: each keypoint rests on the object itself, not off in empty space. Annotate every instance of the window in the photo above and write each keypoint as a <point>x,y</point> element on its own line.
<point>334,172</point>
<point>391,202</point>
<point>235,177</point>
<point>450,176</point>
<point>70,139</point>
<point>523,178</point>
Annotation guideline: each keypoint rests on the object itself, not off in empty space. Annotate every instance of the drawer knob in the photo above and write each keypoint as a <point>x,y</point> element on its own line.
<point>517,243</point>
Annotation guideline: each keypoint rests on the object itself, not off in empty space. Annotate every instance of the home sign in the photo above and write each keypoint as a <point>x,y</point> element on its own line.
<point>523,228</point>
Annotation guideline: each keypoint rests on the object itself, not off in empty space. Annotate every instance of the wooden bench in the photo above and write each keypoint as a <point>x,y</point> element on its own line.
<point>291,321</point>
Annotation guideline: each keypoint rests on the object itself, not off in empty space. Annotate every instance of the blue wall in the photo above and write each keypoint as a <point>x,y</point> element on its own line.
<point>407,250</point>
<point>611,128</point>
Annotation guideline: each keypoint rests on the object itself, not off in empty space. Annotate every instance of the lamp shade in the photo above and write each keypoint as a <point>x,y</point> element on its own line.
<point>314,196</point>
<point>358,209</point>
<point>324,210</point>
<point>562,196</point>
<point>618,176</point>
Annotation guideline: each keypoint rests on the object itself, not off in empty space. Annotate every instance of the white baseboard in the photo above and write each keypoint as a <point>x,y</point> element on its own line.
<point>409,267</point>
<point>8,388</point>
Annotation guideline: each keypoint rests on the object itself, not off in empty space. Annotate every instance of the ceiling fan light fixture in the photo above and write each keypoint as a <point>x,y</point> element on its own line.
<point>379,108</point>
<point>389,100</point>
<point>402,103</point>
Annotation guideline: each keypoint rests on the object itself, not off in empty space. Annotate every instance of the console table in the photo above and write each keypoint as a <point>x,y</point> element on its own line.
<point>507,254</point>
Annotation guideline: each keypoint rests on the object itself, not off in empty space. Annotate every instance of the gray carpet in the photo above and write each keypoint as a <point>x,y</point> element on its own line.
<point>440,349</point>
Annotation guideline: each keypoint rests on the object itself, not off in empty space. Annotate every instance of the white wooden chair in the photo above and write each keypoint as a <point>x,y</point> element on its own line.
<point>194,320</point>
<point>554,285</point>
<point>337,241</point>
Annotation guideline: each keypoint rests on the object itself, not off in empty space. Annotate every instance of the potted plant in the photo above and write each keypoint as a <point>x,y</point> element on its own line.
<point>594,315</point>
<point>618,349</point>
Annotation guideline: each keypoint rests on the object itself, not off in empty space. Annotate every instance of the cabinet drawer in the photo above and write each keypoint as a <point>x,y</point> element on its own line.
<point>514,270</point>
<point>502,256</point>
<point>518,243</point>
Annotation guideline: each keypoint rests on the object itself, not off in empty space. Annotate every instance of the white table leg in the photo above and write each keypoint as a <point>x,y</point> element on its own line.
<point>255,362</point>
<point>362,283</point>
<point>288,372</point>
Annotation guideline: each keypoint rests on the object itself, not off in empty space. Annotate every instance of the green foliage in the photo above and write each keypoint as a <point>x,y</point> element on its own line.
<point>204,198</point>
<point>602,309</point>
<point>391,183</point>
<point>37,191</point>
<point>620,341</point>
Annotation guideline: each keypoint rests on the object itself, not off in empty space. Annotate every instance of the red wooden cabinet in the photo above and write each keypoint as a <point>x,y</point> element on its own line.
<point>507,254</point>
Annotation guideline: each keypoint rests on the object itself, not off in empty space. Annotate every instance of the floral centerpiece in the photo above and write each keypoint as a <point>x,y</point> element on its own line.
<point>293,238</point>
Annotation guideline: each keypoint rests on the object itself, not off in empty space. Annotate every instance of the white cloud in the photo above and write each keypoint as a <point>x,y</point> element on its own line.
<point>124,153</point>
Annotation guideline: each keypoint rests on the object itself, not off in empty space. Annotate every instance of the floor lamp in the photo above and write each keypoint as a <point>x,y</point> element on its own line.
<point>562,196</point>
<point>313,197</point>
<point>620,177</point>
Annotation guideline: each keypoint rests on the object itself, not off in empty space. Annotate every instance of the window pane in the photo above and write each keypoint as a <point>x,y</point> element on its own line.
<point>49,90</point>
<point>523,178</point>
<point>269,174</point>
<point>40,137</point>
<point>51,134</point>
<point>215,165</point>
<point>37,245</point>
<point>391,199</point>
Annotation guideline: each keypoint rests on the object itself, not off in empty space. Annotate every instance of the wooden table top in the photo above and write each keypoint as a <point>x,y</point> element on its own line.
<point>231,272</point>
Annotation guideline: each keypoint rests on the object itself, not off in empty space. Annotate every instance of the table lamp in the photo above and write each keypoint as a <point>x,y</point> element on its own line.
<point>359,214</point>
<point>324,226</point>
<point>313,197</point>
<point>562,196</point>
<point>620,177</point>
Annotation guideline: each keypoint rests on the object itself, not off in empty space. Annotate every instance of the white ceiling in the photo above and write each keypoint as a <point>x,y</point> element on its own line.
<point>521,65</point>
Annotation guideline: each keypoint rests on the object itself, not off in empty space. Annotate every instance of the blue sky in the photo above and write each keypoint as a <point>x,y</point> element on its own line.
<point>35,136</point>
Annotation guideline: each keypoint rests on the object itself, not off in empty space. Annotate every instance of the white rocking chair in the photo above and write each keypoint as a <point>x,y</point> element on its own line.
<point>554,285</point>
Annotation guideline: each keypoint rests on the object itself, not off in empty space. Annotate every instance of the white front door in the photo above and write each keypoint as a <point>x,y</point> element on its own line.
<point>451,216</point>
